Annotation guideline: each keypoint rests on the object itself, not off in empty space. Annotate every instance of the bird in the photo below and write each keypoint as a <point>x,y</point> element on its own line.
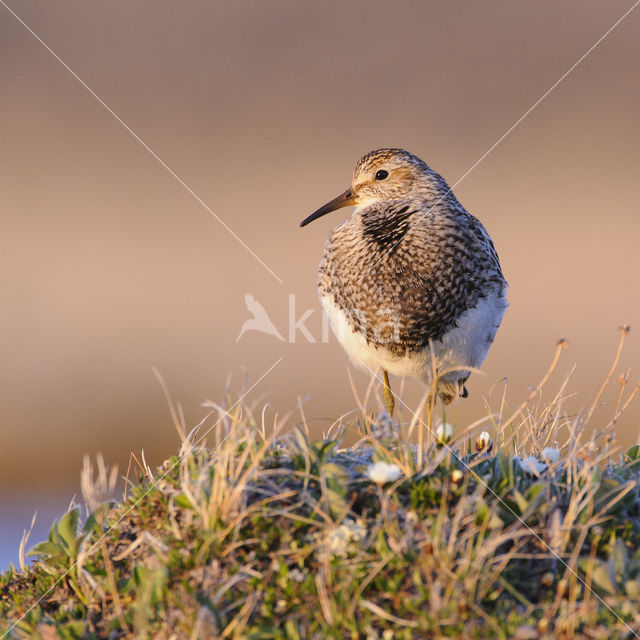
<point>410,281</point>
<point>260,321</point>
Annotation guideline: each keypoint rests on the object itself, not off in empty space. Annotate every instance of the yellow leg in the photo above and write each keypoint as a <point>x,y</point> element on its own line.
<point>388,396</point>
<point>432,398</point>
<point>430,403</point>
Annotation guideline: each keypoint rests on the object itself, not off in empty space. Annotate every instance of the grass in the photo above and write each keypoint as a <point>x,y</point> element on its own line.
<point>264,533</point>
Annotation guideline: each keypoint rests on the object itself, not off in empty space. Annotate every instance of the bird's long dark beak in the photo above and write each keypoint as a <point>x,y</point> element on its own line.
<point>343,200</point>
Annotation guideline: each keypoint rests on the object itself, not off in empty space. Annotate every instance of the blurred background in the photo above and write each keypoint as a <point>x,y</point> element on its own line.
<point>110,267</point>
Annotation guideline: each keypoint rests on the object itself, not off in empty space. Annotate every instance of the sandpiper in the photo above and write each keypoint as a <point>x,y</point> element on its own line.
<point>411,281</point>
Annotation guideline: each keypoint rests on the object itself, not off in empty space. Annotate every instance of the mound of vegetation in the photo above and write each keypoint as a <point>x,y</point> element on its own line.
<point>519,527</point>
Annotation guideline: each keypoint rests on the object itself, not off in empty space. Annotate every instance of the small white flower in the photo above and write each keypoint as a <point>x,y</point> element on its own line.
<point>297,575</point>
<point>338,540</point>
<point>456,476</point>
<point>411,517</point>
<point>381,472</point>
<point>444,432</point>
<point>340,537</point>
<point>483,441</point>
<point>551,454</point>
<point>372,634</point>
<point>356,527</point>
<point>531,465</point>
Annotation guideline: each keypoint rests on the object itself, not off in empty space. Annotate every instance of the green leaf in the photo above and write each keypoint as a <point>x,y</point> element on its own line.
<point>632,588</point>
<point>323,449</point>
<point>301,439</point>
<point>521,501</point>
<point>47,549</point>
<point>182,501</point>
<point>619,560</point>
<point>336,479</point>
<point>534,490</point>
<point>336,475</point>
<point>536,500</point>
<point>97,518</point>
<point>601,576</point>
<point>509,510</point>
<point>68,531</point>
<point>72,631</point>
<point>482,511</point>
<point>151,584</point>
<point>158,585</point>
<point>633,453</point>
<point>291,631</point>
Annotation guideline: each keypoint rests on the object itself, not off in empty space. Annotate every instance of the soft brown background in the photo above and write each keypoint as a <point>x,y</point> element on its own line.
<point>110,266</point>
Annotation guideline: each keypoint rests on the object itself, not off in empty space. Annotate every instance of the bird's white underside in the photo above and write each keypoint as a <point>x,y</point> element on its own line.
<point>466,345</point>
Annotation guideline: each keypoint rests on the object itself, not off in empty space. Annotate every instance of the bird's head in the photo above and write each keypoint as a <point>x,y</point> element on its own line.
<point>381,175</point>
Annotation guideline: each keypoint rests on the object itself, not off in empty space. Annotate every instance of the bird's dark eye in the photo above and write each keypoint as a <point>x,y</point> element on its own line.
<point>382,174</point>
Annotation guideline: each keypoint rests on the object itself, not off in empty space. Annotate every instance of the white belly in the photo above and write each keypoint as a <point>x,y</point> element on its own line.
<point>464,346</point>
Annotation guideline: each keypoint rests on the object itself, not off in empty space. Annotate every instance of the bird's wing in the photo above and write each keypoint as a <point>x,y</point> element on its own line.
<point>476,227</point>
<point>442,265</point>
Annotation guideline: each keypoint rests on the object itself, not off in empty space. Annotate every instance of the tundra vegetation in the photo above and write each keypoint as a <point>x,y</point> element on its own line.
<point>525,524</point>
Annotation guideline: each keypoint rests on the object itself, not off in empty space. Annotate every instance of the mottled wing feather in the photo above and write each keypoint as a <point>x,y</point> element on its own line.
<point>403,275</point>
